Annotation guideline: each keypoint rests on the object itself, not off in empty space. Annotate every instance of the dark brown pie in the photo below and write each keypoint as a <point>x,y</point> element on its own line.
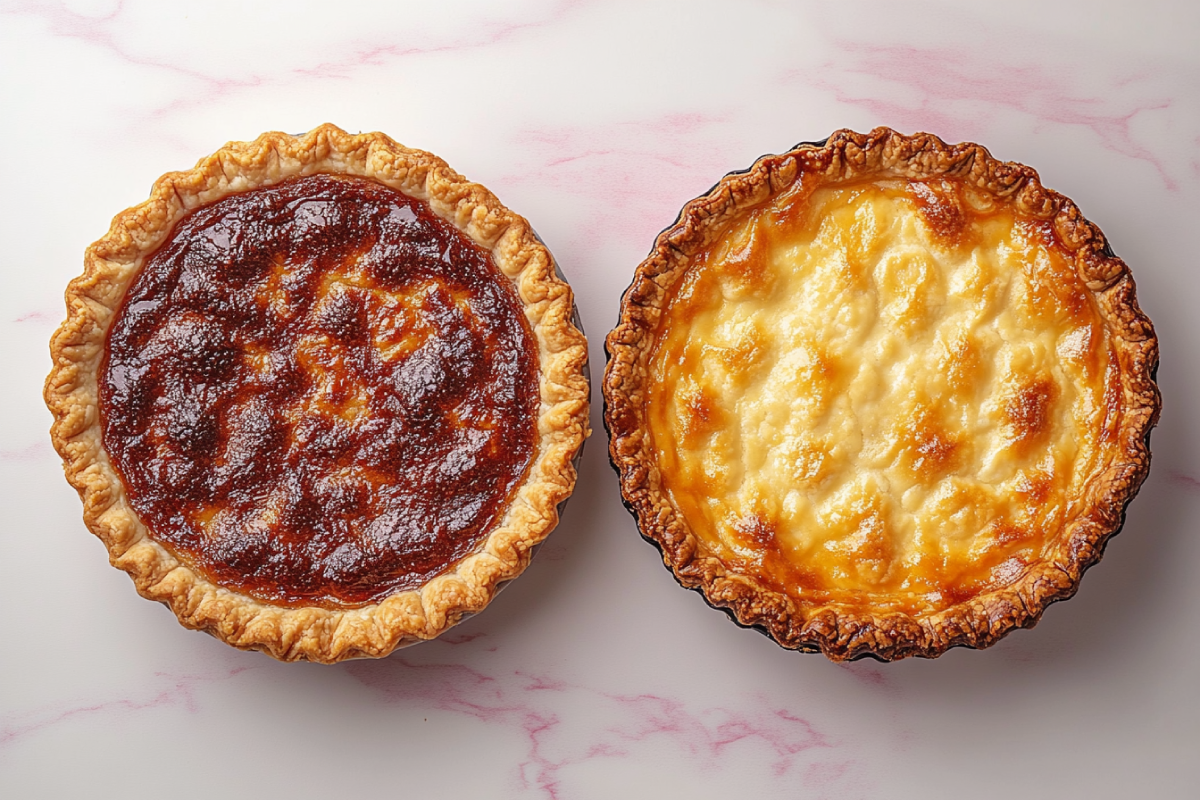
<point>320,394</point>
<point>881,396</point>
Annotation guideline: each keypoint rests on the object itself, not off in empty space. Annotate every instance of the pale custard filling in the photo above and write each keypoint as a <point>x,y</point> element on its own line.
<point>890,394</point>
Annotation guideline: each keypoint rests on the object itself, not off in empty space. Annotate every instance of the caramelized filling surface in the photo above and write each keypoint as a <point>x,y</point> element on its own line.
<point>889,395</point>
<point>319,392</point>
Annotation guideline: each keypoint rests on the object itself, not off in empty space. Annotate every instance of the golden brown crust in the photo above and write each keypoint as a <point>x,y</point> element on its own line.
<point>838,631</point>
<point>314,633</point>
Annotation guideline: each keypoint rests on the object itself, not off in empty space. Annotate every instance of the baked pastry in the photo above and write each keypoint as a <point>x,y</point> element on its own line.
<point>320,394</point>
<point>881,396</point>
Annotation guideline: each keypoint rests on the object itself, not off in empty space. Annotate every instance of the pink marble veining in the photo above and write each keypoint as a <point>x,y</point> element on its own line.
<point>175,691</point>
<point>1184,481</point>
<point>336,59</point>
<point>632,176</point>
<point>39,316</point>
<point>31,452</point>
<point>100,31</point>
<point>869,674</point>
<point>483,33</point>
<point>617,726</point>
<point>103,32</point>
<point>957,91</point>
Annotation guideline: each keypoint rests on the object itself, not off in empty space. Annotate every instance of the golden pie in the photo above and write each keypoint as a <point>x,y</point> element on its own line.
<point>881,396</point>
<point>320,394</point>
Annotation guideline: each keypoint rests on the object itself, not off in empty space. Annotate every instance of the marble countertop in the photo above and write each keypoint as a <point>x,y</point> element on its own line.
<point>594,675</point>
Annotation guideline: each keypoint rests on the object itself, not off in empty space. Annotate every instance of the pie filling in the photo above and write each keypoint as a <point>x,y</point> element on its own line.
<point>319,392</point>
<point>887,395</point>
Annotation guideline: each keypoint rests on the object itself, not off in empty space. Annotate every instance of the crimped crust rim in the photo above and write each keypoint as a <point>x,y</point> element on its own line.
<point>311,632</point>
<point>838,632</point>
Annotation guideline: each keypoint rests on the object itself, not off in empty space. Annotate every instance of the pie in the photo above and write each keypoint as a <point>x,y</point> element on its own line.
<point>881,396</point>
<point>321,395</point>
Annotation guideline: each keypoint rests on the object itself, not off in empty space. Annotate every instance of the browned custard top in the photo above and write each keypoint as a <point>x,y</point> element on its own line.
<point>888,395</point>
<point>319,392</point>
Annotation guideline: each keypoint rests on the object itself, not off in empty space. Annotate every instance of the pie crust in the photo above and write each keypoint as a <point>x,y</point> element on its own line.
<point>322,631</point>
<point>881,396</point>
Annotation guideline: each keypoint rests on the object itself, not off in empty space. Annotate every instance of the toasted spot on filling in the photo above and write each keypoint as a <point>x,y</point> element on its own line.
<point>1029,411</point>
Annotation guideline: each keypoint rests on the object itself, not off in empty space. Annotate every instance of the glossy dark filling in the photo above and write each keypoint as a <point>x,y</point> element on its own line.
<point>319,392</point>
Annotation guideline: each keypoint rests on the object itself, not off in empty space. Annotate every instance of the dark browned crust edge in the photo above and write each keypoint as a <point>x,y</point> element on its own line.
<point>314,633</point>
<point>839,633</point>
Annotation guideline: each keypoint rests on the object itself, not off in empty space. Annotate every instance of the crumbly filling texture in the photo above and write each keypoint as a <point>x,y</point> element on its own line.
<point>320,393</point>
<point>887,394</point>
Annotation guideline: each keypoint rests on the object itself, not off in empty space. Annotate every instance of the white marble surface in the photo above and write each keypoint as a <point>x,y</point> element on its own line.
<point>595,676</point>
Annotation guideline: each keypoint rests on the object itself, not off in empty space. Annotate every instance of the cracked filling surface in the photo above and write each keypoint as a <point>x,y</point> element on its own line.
<point>886,395</point>
<point>320,392</point>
